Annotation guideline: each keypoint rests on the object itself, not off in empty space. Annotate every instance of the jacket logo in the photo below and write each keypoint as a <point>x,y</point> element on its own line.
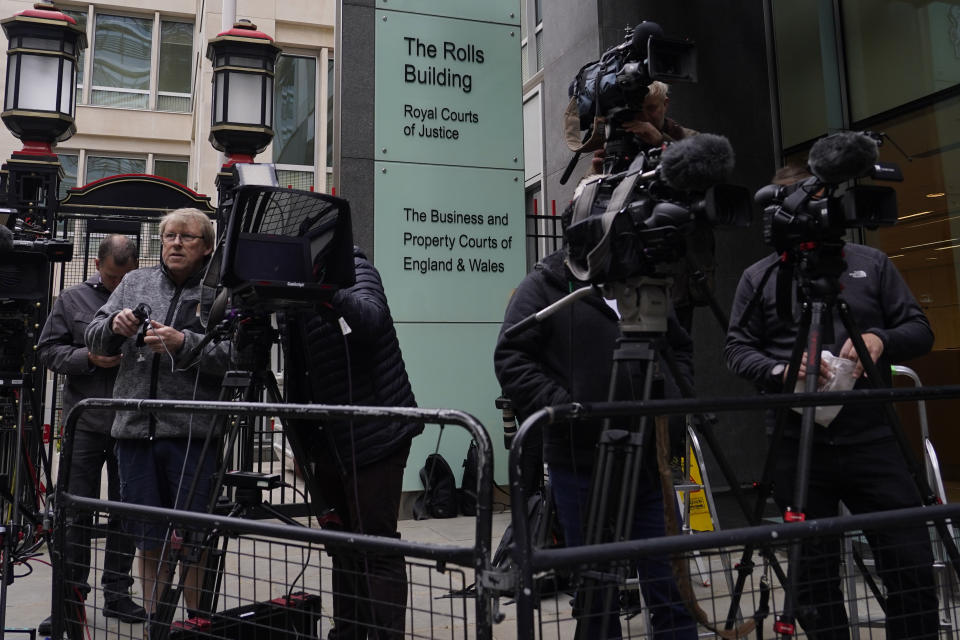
<point>859,273</point>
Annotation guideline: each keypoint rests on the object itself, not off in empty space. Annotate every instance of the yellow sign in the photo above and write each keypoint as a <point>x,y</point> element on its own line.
<point>700,518</point>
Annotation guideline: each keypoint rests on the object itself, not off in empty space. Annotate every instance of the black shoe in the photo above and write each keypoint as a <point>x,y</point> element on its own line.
<point>45,628</point>
<point>126,610</point>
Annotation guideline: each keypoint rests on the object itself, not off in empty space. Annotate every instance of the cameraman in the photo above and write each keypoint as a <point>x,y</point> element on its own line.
<point>159,453</point>
<point>856,459</point>
<point>693,282</point>
<point>353,358</point>
<point>650,126</point>
<point>566,358</point>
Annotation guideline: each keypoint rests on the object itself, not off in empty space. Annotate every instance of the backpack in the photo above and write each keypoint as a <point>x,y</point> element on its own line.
<point>439,498</point>
<point>468,486</point>
<point>546,534</point>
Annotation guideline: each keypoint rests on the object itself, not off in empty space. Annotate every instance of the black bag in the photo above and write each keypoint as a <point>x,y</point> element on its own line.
<point>468,486</point>
<point>439,498</point>
<point>546,534</point>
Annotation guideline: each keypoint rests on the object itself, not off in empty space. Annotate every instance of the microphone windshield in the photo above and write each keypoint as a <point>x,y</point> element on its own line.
<point>843,156</point>
<point>697,163</point>
<point>641,35</point>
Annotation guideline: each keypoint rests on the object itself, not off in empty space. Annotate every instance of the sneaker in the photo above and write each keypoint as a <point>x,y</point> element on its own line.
<point>45,628</point>
<point>125,610</point>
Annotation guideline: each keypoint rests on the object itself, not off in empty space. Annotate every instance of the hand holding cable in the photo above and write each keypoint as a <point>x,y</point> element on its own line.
<point>161,338</point>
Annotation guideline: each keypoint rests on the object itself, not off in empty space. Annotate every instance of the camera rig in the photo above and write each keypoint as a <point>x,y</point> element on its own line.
<point>634,223</point>
<point>806,222</point>
<point>608,92</point>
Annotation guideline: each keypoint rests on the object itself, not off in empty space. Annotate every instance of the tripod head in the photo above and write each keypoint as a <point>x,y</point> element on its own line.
<point>252,335</point>
<point>816,268</point>
<point>643,303</point>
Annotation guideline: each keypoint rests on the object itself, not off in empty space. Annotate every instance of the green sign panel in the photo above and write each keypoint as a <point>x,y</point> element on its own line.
<point>503,11</point>
<point>449,225</point>
<point>451,238</point>
<point>448,91</point>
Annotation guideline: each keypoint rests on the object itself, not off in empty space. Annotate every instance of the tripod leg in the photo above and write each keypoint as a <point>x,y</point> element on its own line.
<point>611,509</point>
<point>745,565</point>
<point>785,625</point>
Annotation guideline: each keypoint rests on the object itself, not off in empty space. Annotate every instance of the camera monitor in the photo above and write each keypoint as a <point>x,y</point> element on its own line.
<point>285,247</point>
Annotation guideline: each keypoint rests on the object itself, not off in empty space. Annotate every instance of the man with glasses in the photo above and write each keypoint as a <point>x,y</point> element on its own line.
<point>159,454</point>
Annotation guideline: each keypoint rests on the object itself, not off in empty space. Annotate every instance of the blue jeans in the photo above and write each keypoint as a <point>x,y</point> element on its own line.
<point>668,613</point>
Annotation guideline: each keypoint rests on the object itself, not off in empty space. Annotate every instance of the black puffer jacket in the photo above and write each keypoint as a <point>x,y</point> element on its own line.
<point>566,358</point>
<point>378,376</point>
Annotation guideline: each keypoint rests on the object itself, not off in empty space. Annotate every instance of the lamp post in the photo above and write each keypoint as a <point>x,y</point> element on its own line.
<point>39,109</point>
<point>241,122</point>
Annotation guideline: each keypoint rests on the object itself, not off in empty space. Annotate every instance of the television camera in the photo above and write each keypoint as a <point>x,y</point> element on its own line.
<point>611,90</point>
<point>634,223</point>
<point>806,222</point>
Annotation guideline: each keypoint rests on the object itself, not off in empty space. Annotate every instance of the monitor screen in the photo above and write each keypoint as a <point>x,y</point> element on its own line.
<point>273,258</point>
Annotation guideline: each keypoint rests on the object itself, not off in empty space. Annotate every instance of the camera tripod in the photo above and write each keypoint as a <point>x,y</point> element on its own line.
<point>619,470</point>
<point>252,338</point>
<point>819,293</point>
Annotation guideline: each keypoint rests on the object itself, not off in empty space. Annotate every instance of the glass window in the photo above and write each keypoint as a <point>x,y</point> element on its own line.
<point>803,101</point>
<point>538,36</point>
<point>103,167</point>
<point>175,70</point>
<point>81,18</point>
<point>330,68</point>
<point>524,65</point>
<point>173,169</point>
<point>69,164</point>
<point>296,179</point>
<point>925,247</point>
<point>925,242</point>
<point>121,61</point>
<point>532,138</point>
<point>523,19</point>
<point>539,45</point>
<point>899,51</point>
<point>294,120</point>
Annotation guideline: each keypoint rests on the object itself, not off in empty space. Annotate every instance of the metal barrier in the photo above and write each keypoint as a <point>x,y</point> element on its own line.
<point>761,594</point>
<point>276,580</point>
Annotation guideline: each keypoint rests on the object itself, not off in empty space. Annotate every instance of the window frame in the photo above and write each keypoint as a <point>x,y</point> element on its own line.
<point>153,93</point>
<point>322,168</point>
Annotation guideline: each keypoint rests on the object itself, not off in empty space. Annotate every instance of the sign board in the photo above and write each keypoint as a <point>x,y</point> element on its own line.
<point>449,225</point>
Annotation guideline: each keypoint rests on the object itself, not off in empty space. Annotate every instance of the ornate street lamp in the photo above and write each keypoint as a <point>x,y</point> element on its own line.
<point>242,115</point>
<point>42,49</point>
<point>38,108</point>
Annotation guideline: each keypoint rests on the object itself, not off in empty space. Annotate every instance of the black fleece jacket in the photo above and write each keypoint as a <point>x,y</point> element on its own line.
<point>370,352</point>
<point>880,302</point>
<point>567,358</point>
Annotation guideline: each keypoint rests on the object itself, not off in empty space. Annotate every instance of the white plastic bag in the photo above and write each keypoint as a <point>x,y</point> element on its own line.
<point>841,379</point>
